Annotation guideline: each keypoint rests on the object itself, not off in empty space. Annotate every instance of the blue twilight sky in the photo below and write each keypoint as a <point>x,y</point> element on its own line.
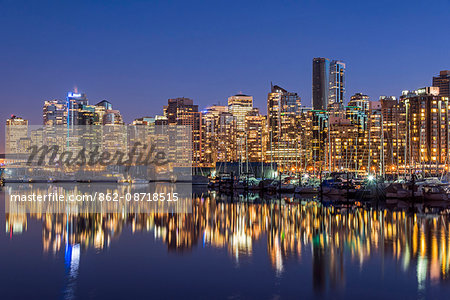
<point>137,54</point>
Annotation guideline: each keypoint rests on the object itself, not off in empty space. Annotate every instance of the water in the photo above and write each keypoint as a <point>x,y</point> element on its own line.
<point>228,248</point>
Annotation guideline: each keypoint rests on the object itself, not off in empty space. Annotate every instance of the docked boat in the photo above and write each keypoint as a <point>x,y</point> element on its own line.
<point>398,191</point>
<point>306,190</point>
<point>435,193</point>
<point>283,187</point>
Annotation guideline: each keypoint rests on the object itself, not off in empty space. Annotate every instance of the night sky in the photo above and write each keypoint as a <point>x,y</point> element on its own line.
<point>137,54</point>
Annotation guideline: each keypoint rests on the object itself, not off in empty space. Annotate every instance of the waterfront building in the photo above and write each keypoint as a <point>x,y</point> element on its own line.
<point>427,130</point>
<point>394,142</point>
<point>357,112</point>
<point>283,120</point>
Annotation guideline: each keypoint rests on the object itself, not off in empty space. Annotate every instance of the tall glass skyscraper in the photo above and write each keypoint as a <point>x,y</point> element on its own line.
<point>328,83</point>
<point>336,87</point>
<point>320,81</point>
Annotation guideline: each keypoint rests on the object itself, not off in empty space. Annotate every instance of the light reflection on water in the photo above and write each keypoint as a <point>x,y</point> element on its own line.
<point>328,243</point>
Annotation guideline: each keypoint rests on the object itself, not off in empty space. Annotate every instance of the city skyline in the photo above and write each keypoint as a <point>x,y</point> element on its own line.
<point>384,136</point>
<point>240,50</point>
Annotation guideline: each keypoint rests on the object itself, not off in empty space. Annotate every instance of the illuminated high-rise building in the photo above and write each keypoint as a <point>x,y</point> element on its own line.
<point>16,132</point>
<point>283,120</point>
<point>74,104</point>
<point>374,139</point>
<point>427,132</point>
<point>393,125</point>
<point>305,138</point>
<point>255,136</point>
<point>336,88</point>
<point>239,105</point>
<point>182,111</point>
<point>318,128</point>
<point>55,112</point>
<point>226,138</point>
<point>211,119</point>
<point>342,145</point>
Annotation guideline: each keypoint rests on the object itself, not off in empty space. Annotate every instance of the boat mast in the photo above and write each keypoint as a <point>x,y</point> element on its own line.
<point>382,148</point>
<point>246,153</point>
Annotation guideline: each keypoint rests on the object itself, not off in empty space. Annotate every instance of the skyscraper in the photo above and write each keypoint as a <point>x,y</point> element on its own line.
<point>427,132</point>
<point>239,105</point>
<point>55,112</point>
<point>443,83</point>
<point>74,104</point>
<point>328,84</point>
<point>320,82</point>
<point>393,123</point>
<point>211,123</point>
<point>336,88</point>
<point>255,128</point>
<point>182,111</point>
<point>283,121</point>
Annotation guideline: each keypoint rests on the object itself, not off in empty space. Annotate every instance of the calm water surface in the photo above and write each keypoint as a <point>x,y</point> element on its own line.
<point>240,247</point>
